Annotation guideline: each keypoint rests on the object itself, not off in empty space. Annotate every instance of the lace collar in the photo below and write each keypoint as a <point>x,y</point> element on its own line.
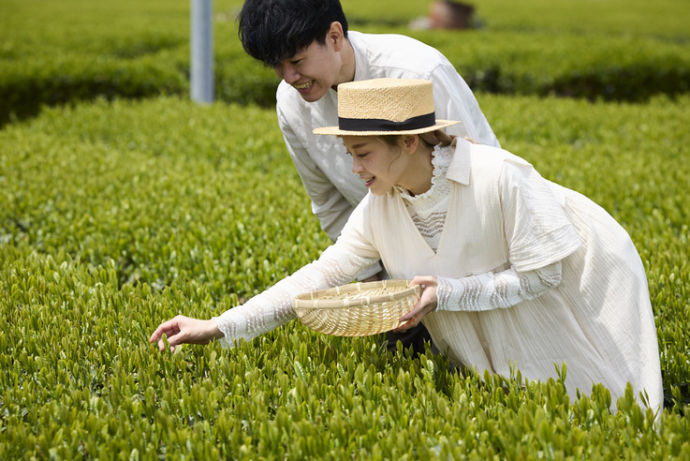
<point>440,160</point>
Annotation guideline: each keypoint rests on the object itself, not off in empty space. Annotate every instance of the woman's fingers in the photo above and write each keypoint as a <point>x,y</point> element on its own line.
<point>182,336</point>
<point>424,280</point>
<point>413,317</point>
<point>419,307</point>
<point>174,337</point>
<point>171,329</point>
<point>426,303</point>
<point>185,330</point>
<point>166,328</point>
<point>412,322</point>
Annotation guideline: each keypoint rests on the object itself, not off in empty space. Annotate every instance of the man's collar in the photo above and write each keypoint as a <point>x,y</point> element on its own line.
<point>361,63</point>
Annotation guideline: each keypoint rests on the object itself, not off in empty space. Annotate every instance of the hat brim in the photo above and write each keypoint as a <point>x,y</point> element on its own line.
<point>334,130</point>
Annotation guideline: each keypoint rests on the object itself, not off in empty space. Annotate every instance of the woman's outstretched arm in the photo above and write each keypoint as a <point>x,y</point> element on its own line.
<point>267,310</point>
<point>275,306</point>
<point>339,264</point>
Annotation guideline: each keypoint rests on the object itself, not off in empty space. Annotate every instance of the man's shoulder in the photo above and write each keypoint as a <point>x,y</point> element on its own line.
<point>289,104</point>
<point>387,40</point>
<point>397,52</point>
<point>286,94</point>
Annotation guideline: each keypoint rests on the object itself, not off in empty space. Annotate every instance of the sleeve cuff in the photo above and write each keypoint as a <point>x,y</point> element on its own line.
<point>448,294</point>
<point>224,343</point>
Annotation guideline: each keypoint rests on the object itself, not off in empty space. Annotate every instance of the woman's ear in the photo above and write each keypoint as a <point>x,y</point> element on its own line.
<point>410,142</point>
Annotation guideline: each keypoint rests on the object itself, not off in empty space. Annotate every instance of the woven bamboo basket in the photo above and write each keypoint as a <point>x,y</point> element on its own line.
<point>357,309</point>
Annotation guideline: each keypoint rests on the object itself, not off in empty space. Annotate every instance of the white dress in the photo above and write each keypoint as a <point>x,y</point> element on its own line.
<point>502,215</point>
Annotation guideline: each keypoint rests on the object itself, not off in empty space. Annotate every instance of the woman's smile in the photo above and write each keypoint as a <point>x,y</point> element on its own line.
<point>368,182</point>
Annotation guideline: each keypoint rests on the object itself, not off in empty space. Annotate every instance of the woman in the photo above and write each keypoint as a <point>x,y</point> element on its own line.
<point>516,270</point>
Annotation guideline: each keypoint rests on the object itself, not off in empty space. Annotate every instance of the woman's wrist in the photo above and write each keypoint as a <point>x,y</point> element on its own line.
<point>448,294</point>
<point>214,329</point>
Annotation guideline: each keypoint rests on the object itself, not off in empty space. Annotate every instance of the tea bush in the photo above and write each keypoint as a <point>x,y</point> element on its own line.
<point>117,215</point>
<point>593,66</point>
<point>53,53</point>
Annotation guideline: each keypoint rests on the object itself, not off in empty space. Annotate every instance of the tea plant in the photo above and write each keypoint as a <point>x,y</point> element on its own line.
<point>116,215</point>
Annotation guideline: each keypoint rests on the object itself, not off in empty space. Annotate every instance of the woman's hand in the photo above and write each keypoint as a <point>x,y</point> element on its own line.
<point>185,330</point>
<point>427,302</point>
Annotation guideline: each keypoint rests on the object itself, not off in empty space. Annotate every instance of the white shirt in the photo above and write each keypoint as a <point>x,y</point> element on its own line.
<point>322,161</point>
<point>502,213</point>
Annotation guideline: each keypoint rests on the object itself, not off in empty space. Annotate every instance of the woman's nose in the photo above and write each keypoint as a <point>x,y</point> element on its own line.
<point>356,165</point>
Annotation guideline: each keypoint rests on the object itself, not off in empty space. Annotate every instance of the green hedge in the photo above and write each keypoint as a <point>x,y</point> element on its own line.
<point>68,79</point>
<point>117,215</point>
<point>666,19</point>
<point>56,53</point>
<point>593,66</point>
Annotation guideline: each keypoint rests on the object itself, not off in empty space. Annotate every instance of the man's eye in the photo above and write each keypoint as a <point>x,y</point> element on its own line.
<point>362,155</point>
<point>348,153</point>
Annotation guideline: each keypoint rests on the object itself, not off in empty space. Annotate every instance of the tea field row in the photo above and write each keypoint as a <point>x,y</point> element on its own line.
<point>117,215</point>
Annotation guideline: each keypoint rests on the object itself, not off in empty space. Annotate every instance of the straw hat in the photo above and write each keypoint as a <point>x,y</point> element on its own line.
<point>357,309</point>
<point>385,106</point>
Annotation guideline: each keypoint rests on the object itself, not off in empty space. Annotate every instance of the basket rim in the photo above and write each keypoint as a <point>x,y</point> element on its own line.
<point>311,299</point>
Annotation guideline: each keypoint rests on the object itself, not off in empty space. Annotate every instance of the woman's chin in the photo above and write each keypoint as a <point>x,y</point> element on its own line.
<point>381,191</point>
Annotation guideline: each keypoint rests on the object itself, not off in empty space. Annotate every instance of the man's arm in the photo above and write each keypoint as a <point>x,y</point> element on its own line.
<point>330,207</point>
<point>454,100</point>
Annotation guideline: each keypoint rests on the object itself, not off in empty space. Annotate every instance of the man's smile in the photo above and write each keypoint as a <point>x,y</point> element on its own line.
<point>304,86</point>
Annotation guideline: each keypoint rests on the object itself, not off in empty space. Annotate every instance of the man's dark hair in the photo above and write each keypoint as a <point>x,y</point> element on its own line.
<point>273,30</point>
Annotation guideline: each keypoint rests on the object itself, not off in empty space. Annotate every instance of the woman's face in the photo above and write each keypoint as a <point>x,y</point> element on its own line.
<point>380,165</point>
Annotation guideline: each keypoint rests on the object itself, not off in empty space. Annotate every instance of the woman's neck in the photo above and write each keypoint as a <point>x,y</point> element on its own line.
<point>417,176</point>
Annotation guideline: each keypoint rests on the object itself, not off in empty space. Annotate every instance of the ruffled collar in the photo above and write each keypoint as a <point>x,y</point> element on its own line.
<point>440,160</point>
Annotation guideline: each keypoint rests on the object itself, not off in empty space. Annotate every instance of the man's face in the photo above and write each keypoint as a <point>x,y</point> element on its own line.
<point>312,70</point>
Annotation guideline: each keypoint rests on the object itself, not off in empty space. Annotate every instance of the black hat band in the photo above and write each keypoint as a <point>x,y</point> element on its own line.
<point>378,124</point>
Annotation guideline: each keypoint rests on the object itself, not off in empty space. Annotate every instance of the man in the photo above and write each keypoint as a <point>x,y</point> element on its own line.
<point>308,45</point>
